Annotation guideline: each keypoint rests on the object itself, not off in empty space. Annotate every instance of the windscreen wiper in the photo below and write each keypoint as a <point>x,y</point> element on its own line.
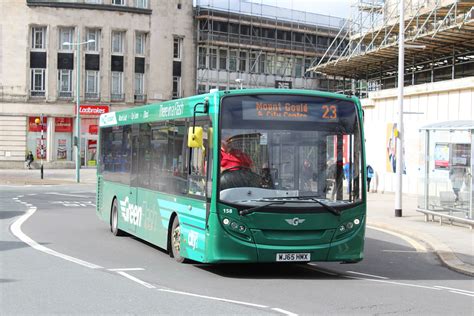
<point>328,207</point>
<point>256,208</point>
<point>311,198</point>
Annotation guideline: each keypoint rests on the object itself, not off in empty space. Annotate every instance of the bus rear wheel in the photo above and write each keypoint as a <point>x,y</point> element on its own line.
<point>175,241</point>
<point>114,220</point>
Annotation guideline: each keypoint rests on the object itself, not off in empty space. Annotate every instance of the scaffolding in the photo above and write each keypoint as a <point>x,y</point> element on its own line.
<point>263,44</point>
<point>439,36</point>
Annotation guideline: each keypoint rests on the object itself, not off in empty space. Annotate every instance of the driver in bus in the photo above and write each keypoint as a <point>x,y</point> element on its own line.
<point>236,168</point>
<point>233,158</point>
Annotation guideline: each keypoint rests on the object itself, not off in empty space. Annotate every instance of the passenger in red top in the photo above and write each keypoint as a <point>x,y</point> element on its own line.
<point>233,159</point>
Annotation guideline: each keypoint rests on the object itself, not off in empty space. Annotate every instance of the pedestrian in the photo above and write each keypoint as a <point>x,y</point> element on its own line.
<point>370,175</point>
<point>29,159</point>
<point>306,176</point>
<point>456,175</point>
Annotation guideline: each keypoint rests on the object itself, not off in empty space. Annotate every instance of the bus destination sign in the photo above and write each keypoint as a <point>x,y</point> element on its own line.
<point>290,111</point>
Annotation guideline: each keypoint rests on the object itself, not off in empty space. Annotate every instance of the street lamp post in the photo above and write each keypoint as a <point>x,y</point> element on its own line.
<point>400,136</point>
<point>77,137</point>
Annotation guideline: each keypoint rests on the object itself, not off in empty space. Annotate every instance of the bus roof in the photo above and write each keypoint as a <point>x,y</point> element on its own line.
<point>183,108</point>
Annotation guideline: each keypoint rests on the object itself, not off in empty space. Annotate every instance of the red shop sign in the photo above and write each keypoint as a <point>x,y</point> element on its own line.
<point>33,127</point>
<point>93,110</point>
<point>93,129</point>
<point>63,124</point>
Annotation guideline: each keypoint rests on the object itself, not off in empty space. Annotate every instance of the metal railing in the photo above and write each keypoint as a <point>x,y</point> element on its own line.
<point>65,94</point>
<point>91,96</point>
<point>140,97</point>
<point>117,96</point>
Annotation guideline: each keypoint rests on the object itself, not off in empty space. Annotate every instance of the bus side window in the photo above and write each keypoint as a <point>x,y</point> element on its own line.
<point>199,163</point>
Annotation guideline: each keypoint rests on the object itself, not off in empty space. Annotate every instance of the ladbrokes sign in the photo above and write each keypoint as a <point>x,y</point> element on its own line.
<point>93,110</point>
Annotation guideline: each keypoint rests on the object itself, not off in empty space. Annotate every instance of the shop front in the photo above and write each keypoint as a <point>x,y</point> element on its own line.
<point>89,132</point>
<point>51,139</point>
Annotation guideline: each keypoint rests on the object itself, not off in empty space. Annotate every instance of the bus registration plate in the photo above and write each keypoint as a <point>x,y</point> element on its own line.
<point>293,257</point>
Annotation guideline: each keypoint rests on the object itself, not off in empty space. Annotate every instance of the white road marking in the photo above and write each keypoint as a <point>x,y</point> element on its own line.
<point>213,298</point>
<point>284,312</point>
<point>450,288</point>
<point>320,270</point>
<point>66,194</point>
<point>415,244</point>
<point>393,282</point>
<point>16,230</point>
<point>15,199</point>
<point>32,194</point>
<point>134,279</point>
<point>400,251</point>
<point>127,269</point>
<point>74,203</point>
<point>456,292</point>
<point>369,275</point>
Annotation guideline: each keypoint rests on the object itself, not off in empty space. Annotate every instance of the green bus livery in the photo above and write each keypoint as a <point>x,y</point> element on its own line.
<point>257,175</point>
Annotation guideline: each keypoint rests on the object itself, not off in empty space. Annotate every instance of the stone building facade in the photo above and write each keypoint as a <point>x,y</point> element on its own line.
<point>134,52</point>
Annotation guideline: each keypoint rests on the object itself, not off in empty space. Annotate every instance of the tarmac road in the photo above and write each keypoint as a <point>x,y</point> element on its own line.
<point>73,264</point>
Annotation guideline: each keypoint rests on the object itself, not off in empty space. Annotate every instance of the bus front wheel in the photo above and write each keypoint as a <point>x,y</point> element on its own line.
<point>114,220</point>
<point>175,241</point>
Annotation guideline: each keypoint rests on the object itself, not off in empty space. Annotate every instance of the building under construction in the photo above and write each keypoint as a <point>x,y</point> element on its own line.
<point>439,43</point>
<point>243,44</point>
<point>438,97</point>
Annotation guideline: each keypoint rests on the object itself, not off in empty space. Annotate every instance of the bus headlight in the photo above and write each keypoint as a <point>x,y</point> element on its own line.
<point>225,221</point>
<point>357,221</point>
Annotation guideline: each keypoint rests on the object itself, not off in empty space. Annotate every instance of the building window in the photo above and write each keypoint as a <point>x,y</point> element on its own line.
<point>38,37</point>
<point>243,62</point>
<point>65,36</point>
<point>118,2</point>
<point>299,67</point>
<point>65,83</point>
<point>202,57</point>
<point>140,43</point>
<point>233,60</point>
<point>38,82</point>
<point>222,59</point>
<point>253,64</point>
<point>176,87</point>
<point>139,87</point>
<point>270,69</point>
<point>117,42</point>
<point>93,34</point>
<point>261,61</point>
<point>201,88</point>
<point>142,4</point>
<point>177,48</point>
<point>92,84</point>
<point>117,86</point>
<point>213,58</point>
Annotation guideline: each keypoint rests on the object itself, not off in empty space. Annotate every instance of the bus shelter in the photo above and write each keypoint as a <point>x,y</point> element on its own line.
<point>446,171</point>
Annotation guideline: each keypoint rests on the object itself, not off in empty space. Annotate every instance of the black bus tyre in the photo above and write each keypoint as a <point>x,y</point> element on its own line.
<point>175,241</point>
<point>114,220</point>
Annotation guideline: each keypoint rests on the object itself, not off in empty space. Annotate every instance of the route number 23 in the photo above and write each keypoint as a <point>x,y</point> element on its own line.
<point>330,112</point>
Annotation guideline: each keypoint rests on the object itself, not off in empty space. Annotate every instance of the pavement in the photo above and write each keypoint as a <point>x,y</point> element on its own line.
<point>453,244</point>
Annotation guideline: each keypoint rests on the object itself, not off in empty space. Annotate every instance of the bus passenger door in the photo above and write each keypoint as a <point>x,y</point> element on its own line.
<point>136,212</point>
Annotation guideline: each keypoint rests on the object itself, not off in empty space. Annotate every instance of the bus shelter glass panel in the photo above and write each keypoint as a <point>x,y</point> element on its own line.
<point>446,172</point>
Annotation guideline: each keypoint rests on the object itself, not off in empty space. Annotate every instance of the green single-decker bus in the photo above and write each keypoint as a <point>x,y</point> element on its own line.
<point>252,175</point>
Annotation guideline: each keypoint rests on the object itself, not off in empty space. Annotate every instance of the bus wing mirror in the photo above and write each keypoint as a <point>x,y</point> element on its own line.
<point>195,137</point>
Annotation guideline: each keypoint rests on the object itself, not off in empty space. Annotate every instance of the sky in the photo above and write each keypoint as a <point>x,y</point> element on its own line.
<point>339,8</point>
